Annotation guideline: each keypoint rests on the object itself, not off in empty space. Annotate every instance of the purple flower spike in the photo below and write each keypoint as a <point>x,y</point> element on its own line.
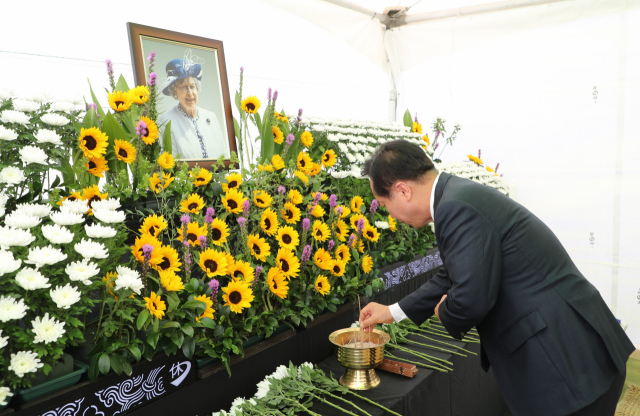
<point>352,239</point>
<point>186,242</point>
<point>214,285</point>
<point>306,223</point>
<point>290,139</point>
<point>152,79</point>
<point>360,225</point>
<point>147,249</point>
<point>275,95</point>
<point>317,197</point>
<point>141,129</point>
<point>241,70</point>
<point>152,57</point>
<point>208,217</point>
<point>281,189</point>
<point>299,112</point>
<point>374,206</point>
<point>436,146</point>
<point>306,253</point>
<point>333,200</point>
<point>497,166</point>
<point>339,210</point>
<point>185,219</point>
<point>269,94</point>
<point>203,240</point>
<point>479,153</point>
<point>331,244</point>
<point>245,207</point>
<point>258,272</point>
<point>437,134</point>
<point>242,221</point>
<point>109,67</point>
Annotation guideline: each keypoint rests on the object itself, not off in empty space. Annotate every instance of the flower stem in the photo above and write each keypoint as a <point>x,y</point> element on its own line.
<point>446,343</point>
<point>332,405</point>
<point>343,399</point>
<point>374,403</point>
<point>435,348</point>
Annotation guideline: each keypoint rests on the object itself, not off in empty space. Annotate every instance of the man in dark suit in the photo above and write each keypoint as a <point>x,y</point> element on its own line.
<point>554,345</point>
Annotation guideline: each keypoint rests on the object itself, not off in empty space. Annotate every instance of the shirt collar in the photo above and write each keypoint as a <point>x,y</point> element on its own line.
<point>433,196</point>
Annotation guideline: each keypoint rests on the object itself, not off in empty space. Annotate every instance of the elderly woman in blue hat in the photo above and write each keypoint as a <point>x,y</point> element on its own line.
<point>195,132</point>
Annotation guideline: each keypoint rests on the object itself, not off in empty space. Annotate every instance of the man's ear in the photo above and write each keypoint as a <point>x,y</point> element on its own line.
<point>403,190</point>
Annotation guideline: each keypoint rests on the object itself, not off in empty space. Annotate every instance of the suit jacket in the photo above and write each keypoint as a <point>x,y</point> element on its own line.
<point>552,342</point>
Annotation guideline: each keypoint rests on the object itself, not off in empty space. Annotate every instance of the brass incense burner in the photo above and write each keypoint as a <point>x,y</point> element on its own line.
<point>359,352</point>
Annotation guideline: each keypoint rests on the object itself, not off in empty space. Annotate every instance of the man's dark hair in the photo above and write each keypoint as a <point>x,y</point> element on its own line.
<point>395,161</point>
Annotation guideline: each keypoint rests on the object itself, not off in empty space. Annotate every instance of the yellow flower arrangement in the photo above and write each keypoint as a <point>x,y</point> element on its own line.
<point>392,224</point>
<point>153,225</point>
<point>489,169</point>
<point>341,230</point>
<point>355,218</point>
<point>139,94</point>
<point>416,127</point>
<point>290,213</point>
<point>208,311</point>
<point>74,196</point>
<point>277,283</point>
<point>300,175</point>
<point>97,166</point>
<point>269,221</point>
<point>267,168</point>
<point>278,136</point>
<point>304,162</point>
<point>155,305</point>
<point>234,180</point>
<point>166,161</point>
<point>338,268</point>
<point>367,263</point>
<point>219,232</point>
<point>202,178</point>
<point>371,233</point>
<point>262,199</point>
<point>281,117</point>
<point>320,231</point>
<point>259,247</point>
<point>93,142</point>
<point>317,211</point>
<point>120,101</point>
<point>343,254</point>
<point>158,184</point>
<point>151,134</point>
<point>171,282</point>
<point>475,160</point>
<point>237,296</point>
<point>194,231</point>
<point>288,263</point>
<point>306,138</point>
<point>329,158</point>
<point>277,162</point>
<point>345,211</point>
<point>356,204</point>
<point>315,169</point>
<point>250,105</point>
<point>233,201</point>
<point>193,204</point>
<point>323,259</point>
<point>425,138</point>
<point>322,285</point>
<point>241,270</point>
<point>168,260</point>
<point>125,151</point>
<point>288,237</point>
<point>92,194</point>
<point>136,248</point>
<point>295,197</point>
<point>213,262</point>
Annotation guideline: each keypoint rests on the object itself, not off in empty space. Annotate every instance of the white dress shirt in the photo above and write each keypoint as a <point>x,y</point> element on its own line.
<point>397,312</point>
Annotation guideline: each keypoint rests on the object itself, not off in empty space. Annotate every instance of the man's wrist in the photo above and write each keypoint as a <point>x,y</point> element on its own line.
<point>397,313</point>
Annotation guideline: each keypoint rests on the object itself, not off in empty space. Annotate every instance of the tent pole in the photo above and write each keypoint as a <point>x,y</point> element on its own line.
<point>356,7</point>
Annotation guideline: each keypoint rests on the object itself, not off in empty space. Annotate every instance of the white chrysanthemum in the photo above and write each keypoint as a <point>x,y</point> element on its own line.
<point>10,308</point>
<point>109,217</point>
<point>73,99</point>
<point>263,389</point>
<point>99,231</point>
<point>91,249</point>
<point>7,263</point>
<point>55,119</point>
<point>33,154</point>
<point>128,279</point>
<point>15,237</point>
<point>62,106</point>
<point>42,256</point>
<point>66,218</point>
<point>5,93</point>
<point>12,116</point>
<point>26,106</point>
<point>82,271</point>
<point>24,362</point>
<point>5,393</point>
<point>31,279</point>
<point>57,234</point>
<point>11,175</point>
<point>235,406</point>
<point>37,210</point>
<point>109,204</point>
<point>65,296</point>
<point>38,96</point>
<point>48,136</point>
<point>7,134</point>
<point>382,224</point>
<point>21,220</point>
<point>280,373</point>
<point>74,206</point>
<point>47,329</point>
<point>3,343</point>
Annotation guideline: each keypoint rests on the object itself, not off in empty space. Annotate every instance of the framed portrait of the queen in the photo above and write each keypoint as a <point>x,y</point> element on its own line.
<point>193,91</point>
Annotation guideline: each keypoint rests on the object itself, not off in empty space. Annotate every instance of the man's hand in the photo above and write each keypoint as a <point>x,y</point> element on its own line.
<point>372,314</point>
<point>437,311</point>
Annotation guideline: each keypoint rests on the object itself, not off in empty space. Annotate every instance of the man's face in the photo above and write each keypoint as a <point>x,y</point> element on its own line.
<point>403,205</point>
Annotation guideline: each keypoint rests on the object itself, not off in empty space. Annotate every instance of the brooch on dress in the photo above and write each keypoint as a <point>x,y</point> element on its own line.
<point>208,121</point>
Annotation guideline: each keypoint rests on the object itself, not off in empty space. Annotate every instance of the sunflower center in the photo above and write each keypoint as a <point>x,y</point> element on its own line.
<point>302,163</point>
<point>233,184</point>
<point>72,198</point>
<point>92,165</point>
<point>286,239</point>
<point>341,254</point>
<point>370,234</point>
<point>319,285</point>
<point>326,158</point>
<point>216,234</point>
<point>284,265</point>
<point>119,103</point>
<point>250,106</point>
<point>275,285</point>
<point>232,204</point>
<point>90,143</point>
<point>94,199</point>
<point>165,264</point>
<point>211,265</point>
<point>319,233</point>
<point>193,205</point>
<point>192,237</point>
<point>336,269</point>
<point>199,179</point>
<point>238,274</point>
<point>144,132</point>
<point>289,214</point>
<point>259,201</point>
<point>267,223</point>
<point>235,297</point>
<point>256,249</point>
<point>123,153</point>
<point>152,230</point>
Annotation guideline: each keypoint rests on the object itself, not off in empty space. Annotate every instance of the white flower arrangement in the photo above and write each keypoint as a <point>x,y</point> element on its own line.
<point>47,329</point>
<point>37,210</point>
<point>11,175</point>
<point>5,393</point>
<point>10,308</point>
<point>57,234</point>
<point>33,154</point>
<point>7,263</point>
<point>109,204</point>
<point>3,341</point>
<point>45,256</point>
<point>109,217</point>
<point>99,231</point>
<point>13,116</point>
<point>15,237</point>
<point>55,119</point>
<point>7,134</point>
<point>32,279</point>
<point>65,296</point>
<point>62,106</point>
<point>66,218</point>
<point>24,362</point>
<point>76,206</point>
<point>82,271</point>
<point>21,220</point>
<point>48,136</point>
<point>25,105</point>
<point>128,279</point>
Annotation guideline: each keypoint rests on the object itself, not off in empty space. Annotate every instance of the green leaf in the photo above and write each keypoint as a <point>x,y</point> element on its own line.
<point>187,330</point>
<point>227,343</point>
<point>156,324</point>
<point>95,100</point>
<point>112,128</point>
<point>173,300</point>
<point>218,331</point>
<point>104,364</point>
<point>295,319</point>
<point>188,347</point>
<point>117,363</point>
<point>90,120</point>
<point>208,323</point>
<point>408,121</point>
<point>236,129</point>
<point>135,352</point>
<point>121,85</point>
<point>368,291</point>
<point>195,304</point>
<point>272,321</point>
<point>167,146</point>
<point>94,371</point>
<point>171,324</point>
<point>126,368</point>
<point>152,339</point>
<point>142,318</point>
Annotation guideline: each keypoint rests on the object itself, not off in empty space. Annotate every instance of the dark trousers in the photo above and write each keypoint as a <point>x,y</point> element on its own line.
<point>605,405</point>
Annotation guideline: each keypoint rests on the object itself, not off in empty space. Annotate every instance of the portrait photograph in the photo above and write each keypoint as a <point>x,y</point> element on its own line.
<point>193,91</point>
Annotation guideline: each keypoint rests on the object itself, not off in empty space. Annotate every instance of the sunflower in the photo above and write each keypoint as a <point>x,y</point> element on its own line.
<point>171,282</point>
<point>323,259</point>
<point>158,184</point>
<point>219,232</point>
<point>230,261</point>
<point>489,169</point>
<point>392,224</point>
<point>317,211</point>
<point>426,139</point>
<point>269,221</point>
<point>288,263</point>
<point>213,262</point>
<point>358,244</point>
<point>342,229</point>
<point>124,151</point>
<point>238,296</point>
<point>323,196</point>
<point>150,134</point>
<point>109,282</point>
<point>193,204</point>
<point>233,201</point>
<point>144,239</point>
<point>97,166</point>
<point>277,162</point>
<point>208,310</point>
<point>153,225</point>
<point>304,162</point>
<point>259,247</point>
<point>315,169</point>
<point>268,167</point>
<point>338,268</point>
<point>371,233</point>
<point>166,161</point>
<point>168,260</point>
<point>355,218</point>
<point>288,238</point>
<point>250,104</point>
<point>345,211</point>
<point>93,142</point>
<point>295,197</point>
<point>475,160</point>
<point>367,263</point>
<point>155,305</point>
<point>241,270</point>
<point>356,204</point>
<point>75,196</point>
<point>202,178</point>
<point>278,136</point>
<point>92,194</point>
<point>277,283</point>
<point>194,231</point>
<point>329,158</point>
<point>343,254</point>
<point>262,199</point>
<point>290,213</point>
<point>320,231</point>
<point>139,94</point>
<point>416,127</point>
<point>281,117</point>
<point>234,180</point>
<point>300,175</point>
<point>307,139</point>
<point>120,101</point>
<point>322,285</point>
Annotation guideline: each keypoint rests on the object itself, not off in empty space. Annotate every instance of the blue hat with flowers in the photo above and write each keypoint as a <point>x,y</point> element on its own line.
<point>181,68</point>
